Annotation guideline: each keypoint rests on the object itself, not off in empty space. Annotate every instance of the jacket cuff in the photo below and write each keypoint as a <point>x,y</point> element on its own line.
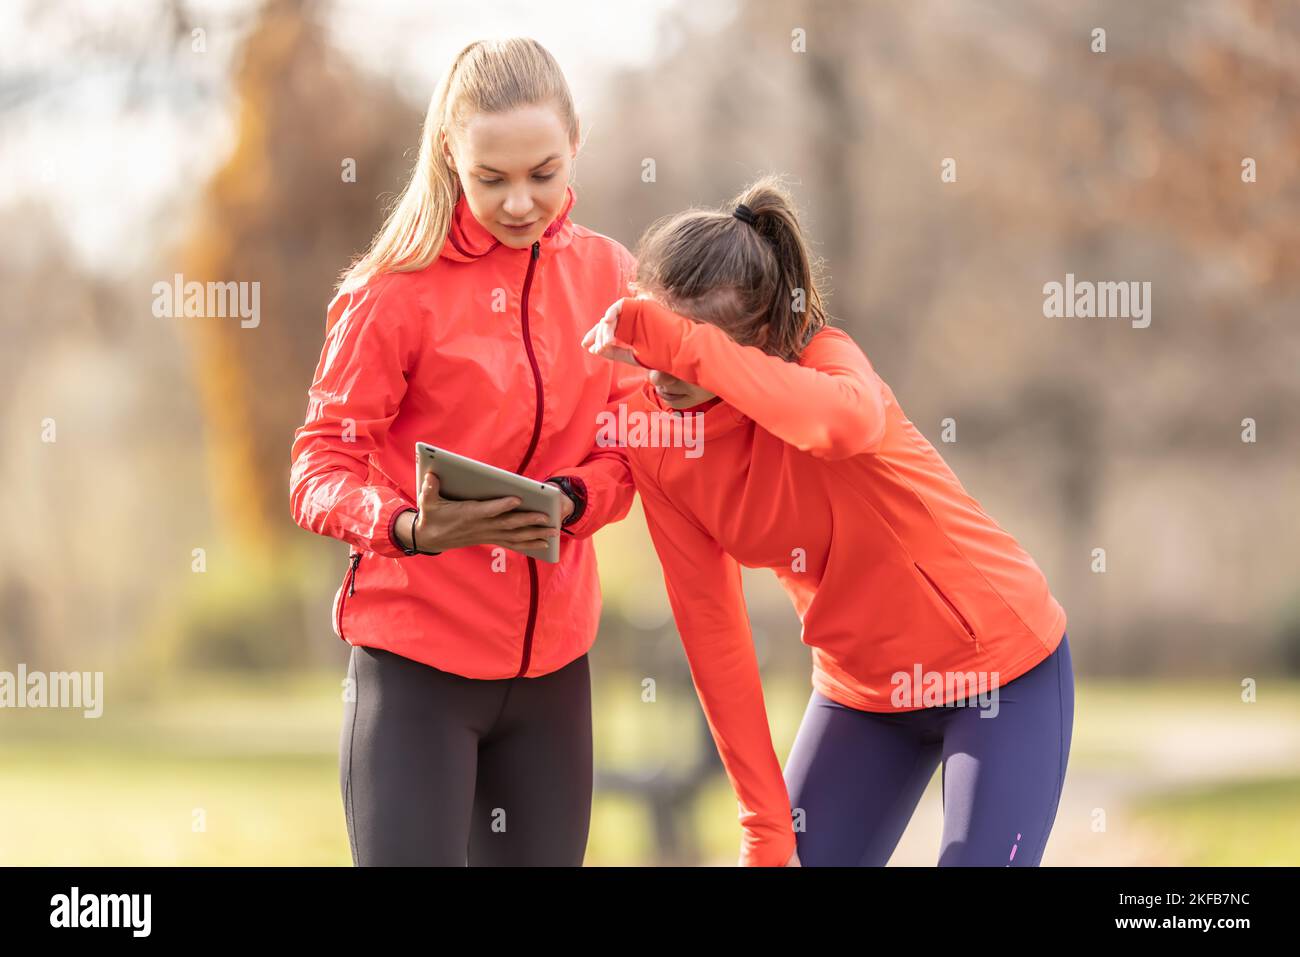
<point>766,851</point>
<point>393,533</point>
<point>385,543</point>
<point>392,527</point>
<point>647,328</point>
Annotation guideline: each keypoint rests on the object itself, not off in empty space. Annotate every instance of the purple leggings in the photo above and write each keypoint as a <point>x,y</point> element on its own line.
<point>857,775</point>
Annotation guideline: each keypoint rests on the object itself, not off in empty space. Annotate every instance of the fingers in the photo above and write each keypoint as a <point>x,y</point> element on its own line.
<point>429,489</point>
<point>524,543</point>
<point>493,506</point>
<point>604,330</point>
<point>608,347</point>
<point>498,515</point>
<point>522,519</point>
<point>603,339</point>
<point>523,536</point>
<point>491,522</point>
<point>517,534</point>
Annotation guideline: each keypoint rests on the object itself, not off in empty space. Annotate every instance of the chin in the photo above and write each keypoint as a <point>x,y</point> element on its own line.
<point>518,242</point>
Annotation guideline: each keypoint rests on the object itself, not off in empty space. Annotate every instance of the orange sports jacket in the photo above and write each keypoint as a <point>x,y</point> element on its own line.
<point>812,469</point>
<point>479,353</point>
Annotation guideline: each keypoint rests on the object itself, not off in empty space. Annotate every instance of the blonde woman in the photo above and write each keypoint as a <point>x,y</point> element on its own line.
<point>469,739</point>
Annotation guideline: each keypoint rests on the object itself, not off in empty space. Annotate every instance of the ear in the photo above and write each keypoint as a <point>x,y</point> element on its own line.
<point>446,151</point>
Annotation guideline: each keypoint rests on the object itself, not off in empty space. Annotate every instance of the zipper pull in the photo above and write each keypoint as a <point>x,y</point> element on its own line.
<point>352,580</point>
<point>537,248</point>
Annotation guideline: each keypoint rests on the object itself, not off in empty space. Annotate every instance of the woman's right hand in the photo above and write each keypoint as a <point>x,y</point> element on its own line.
<point>443,524</point>
<point>602,338</point>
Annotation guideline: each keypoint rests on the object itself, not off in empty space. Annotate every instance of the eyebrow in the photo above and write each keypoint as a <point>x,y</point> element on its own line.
<point>553,156</point>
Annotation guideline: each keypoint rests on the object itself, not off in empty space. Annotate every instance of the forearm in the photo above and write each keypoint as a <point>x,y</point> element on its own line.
<point>725,672</point>
<point>832,406</point>
<point>336,503</point>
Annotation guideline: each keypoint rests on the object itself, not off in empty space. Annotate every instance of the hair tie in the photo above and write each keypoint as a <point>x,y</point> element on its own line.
<point>743,213</point>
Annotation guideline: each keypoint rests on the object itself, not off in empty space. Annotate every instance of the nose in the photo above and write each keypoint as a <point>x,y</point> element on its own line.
<point>518,203</point>
<point>662,380</point>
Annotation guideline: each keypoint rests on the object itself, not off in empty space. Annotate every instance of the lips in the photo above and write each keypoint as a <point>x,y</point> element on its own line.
<point>520,226</point>
<point>670,396</point>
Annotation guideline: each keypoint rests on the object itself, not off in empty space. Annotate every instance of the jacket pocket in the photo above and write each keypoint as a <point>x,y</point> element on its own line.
<point>951,607</point>
<point>349,588</point>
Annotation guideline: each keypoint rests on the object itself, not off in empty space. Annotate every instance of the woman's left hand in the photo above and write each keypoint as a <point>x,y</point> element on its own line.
<point>602,338</point>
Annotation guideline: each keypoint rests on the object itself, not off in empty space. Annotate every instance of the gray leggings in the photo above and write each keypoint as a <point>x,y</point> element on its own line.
<point>438,769</point>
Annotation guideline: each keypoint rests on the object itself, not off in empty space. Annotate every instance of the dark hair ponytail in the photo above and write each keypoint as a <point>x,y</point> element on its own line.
<point>753,276</point>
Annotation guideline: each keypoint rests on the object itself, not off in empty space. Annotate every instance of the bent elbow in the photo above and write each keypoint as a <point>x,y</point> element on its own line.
<point>862,432</point>
<point>847,446</point>
<point>301,489</point>
<point>297,494</point>
<point>872,433</point>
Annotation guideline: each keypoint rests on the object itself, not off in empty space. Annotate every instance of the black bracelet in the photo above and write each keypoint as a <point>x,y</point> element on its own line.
<point>415,548</point>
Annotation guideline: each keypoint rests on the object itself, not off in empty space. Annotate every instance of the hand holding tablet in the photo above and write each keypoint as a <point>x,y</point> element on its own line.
<point>467,502</point>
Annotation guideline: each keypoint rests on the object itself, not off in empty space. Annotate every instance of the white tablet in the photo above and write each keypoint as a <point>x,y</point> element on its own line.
<point>464,479</point>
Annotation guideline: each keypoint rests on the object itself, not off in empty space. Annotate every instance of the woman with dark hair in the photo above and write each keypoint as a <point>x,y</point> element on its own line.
<point>934,635</point>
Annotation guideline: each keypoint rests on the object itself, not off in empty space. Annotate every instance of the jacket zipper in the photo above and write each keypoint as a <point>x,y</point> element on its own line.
<point>532,447</point>
<point>953,608</point>
<point>532,616</point>
<point>532,359</point>
<point>355,560</point>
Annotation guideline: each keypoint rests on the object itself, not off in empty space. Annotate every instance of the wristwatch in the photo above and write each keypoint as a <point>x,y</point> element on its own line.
<point>576,489</point>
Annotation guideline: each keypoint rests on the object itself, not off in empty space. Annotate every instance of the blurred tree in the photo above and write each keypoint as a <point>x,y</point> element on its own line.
<point>1122,165</point>
<point>281,212</point>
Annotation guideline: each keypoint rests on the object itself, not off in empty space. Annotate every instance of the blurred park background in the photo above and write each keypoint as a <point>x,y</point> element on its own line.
<point>141,139</point>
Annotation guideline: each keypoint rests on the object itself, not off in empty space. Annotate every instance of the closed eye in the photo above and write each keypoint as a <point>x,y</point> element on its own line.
<point>541,178</point>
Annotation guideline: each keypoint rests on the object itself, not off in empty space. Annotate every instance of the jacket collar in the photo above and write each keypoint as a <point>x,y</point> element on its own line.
<point>468,239</point>
<point>719,418</point>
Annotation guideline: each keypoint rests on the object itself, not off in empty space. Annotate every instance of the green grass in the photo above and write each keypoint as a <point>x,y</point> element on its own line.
<point>218,771</point>
<point>1237,823</point>
<point>75,806</point>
